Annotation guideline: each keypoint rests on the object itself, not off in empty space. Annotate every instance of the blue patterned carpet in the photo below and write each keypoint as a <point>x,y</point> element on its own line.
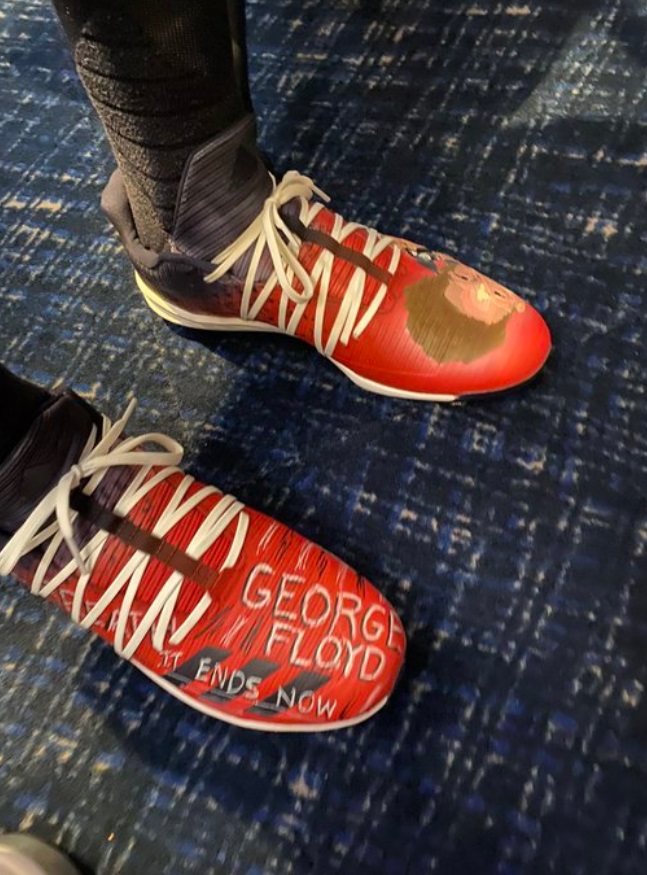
<point>509,533</point>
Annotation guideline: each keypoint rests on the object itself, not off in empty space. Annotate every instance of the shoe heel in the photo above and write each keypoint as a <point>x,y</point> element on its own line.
<point>201,321</point>
<point>161,307</point>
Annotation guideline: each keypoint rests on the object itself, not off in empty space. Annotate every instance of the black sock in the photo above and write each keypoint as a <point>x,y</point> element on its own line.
<point>21,403</point>
<point>164,77</point>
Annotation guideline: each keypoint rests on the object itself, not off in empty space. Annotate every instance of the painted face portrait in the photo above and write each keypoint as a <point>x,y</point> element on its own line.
<point>458,314</point>
<point>479,297</point>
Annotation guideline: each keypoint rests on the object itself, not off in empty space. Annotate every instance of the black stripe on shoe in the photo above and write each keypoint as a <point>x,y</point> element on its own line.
<point>203,661</point>
<point>139,539</point>
<point>243,680</point>
<point>288,695</point>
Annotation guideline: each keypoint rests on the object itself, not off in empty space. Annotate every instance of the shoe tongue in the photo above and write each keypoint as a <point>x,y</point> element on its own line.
<point>223,189</point>
<point>49,449</point>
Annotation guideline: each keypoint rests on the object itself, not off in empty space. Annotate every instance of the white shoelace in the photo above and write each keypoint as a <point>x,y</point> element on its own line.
<point>95,461</point>
<point>270,230</point>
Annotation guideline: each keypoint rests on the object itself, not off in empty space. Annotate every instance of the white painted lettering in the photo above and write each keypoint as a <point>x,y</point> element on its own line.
<point>335,649</point>
<point>283,698</point>
<point>372,629</point>
<point>286,595</point>
<point>366,673</point>
<point>350,612</point>
<point>326,707</point>
<point>203,669</point>
<point>314,616</point>
<point>395,632</point>
<point>352,653</point>
<point>236,683</point>
<point>306,701</point>
<point>295,659</point>
<point>218,676</point>
<point>278,636</point>
<point>170,658</point>
<point>259,597</point>
<point>251,687</point>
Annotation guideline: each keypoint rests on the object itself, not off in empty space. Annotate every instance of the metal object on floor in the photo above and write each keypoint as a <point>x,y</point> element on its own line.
<point>22,854</point>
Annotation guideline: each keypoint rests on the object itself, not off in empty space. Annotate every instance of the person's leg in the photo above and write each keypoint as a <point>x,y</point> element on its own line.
<point>164,76</point>
<point>238,25</point>
<point>21,403</point>
<point>41,434</point>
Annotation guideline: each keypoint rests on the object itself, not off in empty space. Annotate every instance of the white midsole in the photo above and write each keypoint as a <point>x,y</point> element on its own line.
<point>202,321</point>
<point>265,726</point>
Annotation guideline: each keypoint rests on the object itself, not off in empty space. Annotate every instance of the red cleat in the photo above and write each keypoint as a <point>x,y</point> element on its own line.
<point>250,254</point>
<point>228,610</point>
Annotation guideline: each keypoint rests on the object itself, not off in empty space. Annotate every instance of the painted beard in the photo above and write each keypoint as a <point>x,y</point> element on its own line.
<point>444,332</point>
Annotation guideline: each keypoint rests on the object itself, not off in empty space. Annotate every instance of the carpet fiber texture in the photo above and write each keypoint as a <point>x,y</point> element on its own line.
<point>509,533</point>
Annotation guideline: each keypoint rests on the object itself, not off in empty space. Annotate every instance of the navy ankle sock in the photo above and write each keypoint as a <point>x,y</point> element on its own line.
<point>164,76</point>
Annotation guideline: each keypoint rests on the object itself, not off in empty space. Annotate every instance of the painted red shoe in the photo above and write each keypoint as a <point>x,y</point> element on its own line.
<point>250,254</point>
<point>228,610</point>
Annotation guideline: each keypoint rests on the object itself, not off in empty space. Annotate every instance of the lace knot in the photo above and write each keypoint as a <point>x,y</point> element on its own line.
<point>75,475</point>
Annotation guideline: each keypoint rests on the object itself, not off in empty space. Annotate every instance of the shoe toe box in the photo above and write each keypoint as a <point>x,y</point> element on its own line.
<point>341,652</point>
<point>525,351</point>
<point>309,643</point>
<point>450,331</point>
